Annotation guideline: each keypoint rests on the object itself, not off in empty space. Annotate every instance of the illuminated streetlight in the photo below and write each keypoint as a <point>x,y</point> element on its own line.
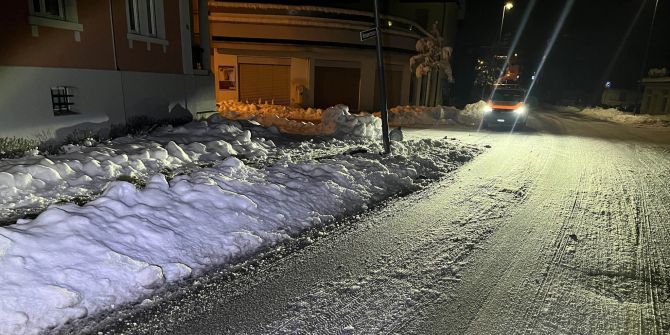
<point>508,6</point>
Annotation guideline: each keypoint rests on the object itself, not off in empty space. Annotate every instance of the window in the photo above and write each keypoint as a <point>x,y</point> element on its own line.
<point>60,14</point>
<point>49,8</point>
<point>61,100</point>
<point>133,24</point>
<point>151,17</point>
<point>146,22</point>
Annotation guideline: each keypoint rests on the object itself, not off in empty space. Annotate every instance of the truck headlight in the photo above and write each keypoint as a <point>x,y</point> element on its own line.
<point>520,110</point>
<point>488,109</point>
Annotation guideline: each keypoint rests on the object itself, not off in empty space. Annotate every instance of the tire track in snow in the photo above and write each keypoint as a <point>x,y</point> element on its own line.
<point>650,257</point>
<point>549,274</point>
<point>390,296</point>
<point>432,253</point>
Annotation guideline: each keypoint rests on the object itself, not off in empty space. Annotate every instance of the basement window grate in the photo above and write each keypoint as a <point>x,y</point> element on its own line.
<point>61,100</point>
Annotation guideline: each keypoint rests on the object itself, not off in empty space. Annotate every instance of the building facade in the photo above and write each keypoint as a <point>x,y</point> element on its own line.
<point>91,64</point>
<point>656,96</point>
<point>314,56</point>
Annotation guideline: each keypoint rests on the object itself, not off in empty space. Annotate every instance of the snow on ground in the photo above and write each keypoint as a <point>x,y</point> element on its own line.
<point>235,194</point>
<point>335,121</point>
<point>239,110</point>
<point>73,260</point>
<point>307,121</point>
<point>421,115</point>
<point>36,181</point>
<point>615,115</point>
<point>472,114</point>
<point>339,122</point>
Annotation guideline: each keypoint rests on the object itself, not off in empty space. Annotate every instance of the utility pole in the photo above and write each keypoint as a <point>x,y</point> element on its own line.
<point>382,83</point>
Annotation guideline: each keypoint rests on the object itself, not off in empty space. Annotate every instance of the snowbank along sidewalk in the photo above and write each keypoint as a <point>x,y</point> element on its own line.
<point>615,115</point>
<point>72,261</point>
<point>36,181</point>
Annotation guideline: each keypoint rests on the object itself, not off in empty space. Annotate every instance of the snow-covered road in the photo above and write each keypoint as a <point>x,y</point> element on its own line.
<point>562,229</point>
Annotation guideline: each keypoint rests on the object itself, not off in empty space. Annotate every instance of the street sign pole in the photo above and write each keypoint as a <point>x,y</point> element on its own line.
<point>382,83</point>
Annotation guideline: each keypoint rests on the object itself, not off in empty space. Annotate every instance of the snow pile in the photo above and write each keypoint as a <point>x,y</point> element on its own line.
<point>72,261</point>
<point>235,110</point>
<point>421,115</point>
<point>293,120</point>
<point>36,181</point>
<point>337,121</point>
<point>615,115</point>
<point>472,114</point>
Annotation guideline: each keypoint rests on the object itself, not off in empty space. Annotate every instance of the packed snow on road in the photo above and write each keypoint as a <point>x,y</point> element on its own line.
<point>237,194</point>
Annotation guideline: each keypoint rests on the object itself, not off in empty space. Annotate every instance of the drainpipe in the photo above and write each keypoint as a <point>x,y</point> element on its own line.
<point>203,23</point>
<point>111,23</point>
<point>116,63</point>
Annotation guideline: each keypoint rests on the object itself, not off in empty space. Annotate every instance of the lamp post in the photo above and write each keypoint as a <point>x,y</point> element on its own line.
<point>508,6</point>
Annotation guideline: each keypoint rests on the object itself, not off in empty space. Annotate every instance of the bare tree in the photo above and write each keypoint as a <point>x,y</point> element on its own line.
<point>433,56</point>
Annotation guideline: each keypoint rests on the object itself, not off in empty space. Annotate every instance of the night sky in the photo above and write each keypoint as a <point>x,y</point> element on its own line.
<point>576,68</point>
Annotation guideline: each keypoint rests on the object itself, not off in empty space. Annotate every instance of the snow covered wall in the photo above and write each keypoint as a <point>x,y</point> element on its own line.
<point>72,261</point>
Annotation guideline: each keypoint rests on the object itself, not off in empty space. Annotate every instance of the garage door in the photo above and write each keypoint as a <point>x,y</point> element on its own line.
<point>336,85</point>
<point>266,82</point>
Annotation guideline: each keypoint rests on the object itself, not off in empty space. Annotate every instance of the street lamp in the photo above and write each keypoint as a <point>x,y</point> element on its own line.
<point>508,6</point>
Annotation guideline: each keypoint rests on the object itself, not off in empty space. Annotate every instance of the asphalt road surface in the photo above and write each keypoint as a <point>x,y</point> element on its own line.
<point>560,229</point>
